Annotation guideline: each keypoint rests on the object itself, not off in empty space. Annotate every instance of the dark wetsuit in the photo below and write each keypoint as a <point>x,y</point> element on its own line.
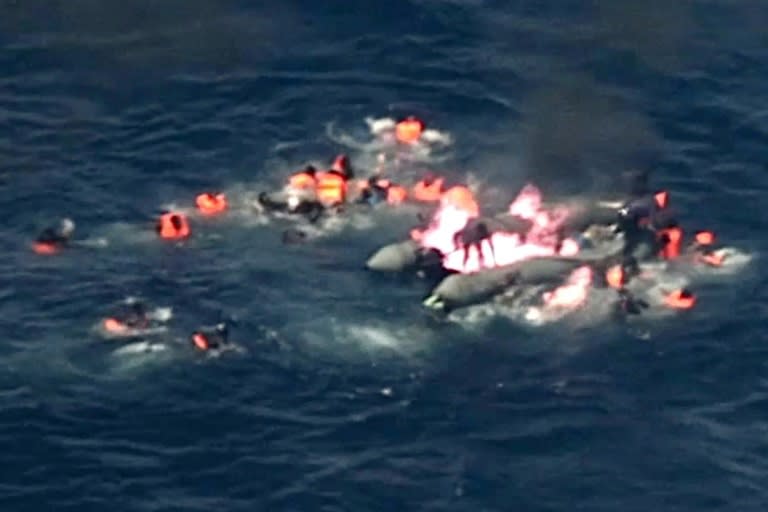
<point>640,240</point>
<point>430,265</point>
<point>373,193</point>
<point>473,235</point>
<point>640,211</point>
<point>53,237</point>
<point>135,316</point>
<point>311,209</point>
<point>630,305</point>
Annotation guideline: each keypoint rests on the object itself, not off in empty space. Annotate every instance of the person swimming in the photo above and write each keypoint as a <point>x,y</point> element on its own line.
<point>310,192</point>
<point>706,250</point>
<point>172,226</point>
<point>628,304</point>
<point>377,190</point>
<point>408,130</point>
<point>306,179</point>
<point>429,189</point>
<point>133,318</point>
<point>211,203</point>
<point>211,338</point>
<point>372,192</point>
<point>311,209</point>
<point>55,238</point>
<point>342,166</point>
<point>136,315</point>
<point>617,277</point>
<point>333,185</point>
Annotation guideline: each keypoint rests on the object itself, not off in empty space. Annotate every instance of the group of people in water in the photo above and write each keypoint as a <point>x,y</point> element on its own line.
<point>311,193</point>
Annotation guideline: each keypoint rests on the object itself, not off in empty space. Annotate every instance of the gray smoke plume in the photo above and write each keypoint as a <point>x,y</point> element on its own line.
<point>578,137</point>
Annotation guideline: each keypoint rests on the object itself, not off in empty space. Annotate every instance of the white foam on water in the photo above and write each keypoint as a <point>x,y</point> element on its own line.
<point>352,340</point>
<point>141,347</point>
<point>734,262</point>
<point>524,305</point>
<point>161,314</point>
<point>381,141</point>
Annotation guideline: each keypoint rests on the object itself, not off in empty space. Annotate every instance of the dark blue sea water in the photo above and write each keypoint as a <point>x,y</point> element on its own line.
<point>345,396</point>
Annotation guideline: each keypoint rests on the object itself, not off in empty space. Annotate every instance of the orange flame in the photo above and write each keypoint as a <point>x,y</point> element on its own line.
<point>574,292</point>
<point>458,207</point>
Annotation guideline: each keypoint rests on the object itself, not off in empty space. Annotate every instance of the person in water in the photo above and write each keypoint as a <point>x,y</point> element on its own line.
<point>306,179</point>
<point>333,185</point>
<point>133,315</point>
<point>55,238</point>
<point>617,277</point>
<point>704,249</point>
<point>373,193</point>
<point>172,226</point>
<point>211,338</point>
<point>409,130</point>
<point>429,189</point>
<point>376,190</point>
<point>628,304</point>
<point>136,315</point>
<point>342,167</point>
<point>312,192</point>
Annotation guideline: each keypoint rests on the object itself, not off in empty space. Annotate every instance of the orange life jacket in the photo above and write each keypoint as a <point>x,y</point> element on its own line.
<point>44,248</point>
<point>462,198</point>
<point>396,194</point>
<point>428,190</point>
<point>211,204</point>
<point>114,325</point>
<point>615,277</point>
<point>200,341</point>
<point>302,180</point>
<point>671,249</point>
<point>173,226</point>
<point>331,188</point>
<point>705,238</point>
<point>680,299</point>
<point>409,130</point>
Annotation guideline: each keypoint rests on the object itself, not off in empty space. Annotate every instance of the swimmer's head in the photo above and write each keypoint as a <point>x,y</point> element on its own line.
<point>66,227</point>
<point>341,164</point>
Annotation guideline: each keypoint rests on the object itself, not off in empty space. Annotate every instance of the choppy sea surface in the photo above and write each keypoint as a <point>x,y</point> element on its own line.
<point>342,394</point>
